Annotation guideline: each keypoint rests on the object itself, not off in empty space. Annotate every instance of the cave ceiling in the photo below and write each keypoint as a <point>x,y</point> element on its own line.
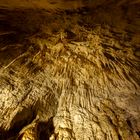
<point>69,70</point>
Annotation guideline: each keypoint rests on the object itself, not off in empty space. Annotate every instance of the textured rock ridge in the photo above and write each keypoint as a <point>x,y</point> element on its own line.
<point>70,73</point>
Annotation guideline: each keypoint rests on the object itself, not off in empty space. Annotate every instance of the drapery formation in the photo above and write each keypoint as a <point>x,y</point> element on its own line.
<point>70,70</point>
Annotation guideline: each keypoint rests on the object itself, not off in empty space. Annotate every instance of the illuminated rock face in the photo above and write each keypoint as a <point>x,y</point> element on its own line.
<point>71,74</point>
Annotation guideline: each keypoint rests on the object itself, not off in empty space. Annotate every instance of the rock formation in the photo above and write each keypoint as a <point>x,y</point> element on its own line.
<point>69,70</point>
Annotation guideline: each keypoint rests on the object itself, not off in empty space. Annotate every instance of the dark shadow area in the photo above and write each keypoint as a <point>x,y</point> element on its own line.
<point>46,129</point>
<point>138,133</point>
<point>119,137</point>
<point>16,128</point>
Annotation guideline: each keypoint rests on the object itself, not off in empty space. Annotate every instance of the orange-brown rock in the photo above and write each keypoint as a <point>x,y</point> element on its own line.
<point>69,70</point>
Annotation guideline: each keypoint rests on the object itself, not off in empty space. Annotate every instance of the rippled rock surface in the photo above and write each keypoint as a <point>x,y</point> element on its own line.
<point>70,70</point>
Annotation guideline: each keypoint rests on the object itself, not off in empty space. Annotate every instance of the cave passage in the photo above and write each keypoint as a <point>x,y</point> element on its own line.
<point>69,70</point>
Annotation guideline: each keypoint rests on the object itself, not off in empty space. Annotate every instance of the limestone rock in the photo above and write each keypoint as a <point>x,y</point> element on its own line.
<point>69,70</point>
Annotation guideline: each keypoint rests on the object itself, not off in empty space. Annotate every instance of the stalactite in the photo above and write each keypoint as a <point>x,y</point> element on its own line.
<point>70,70</point>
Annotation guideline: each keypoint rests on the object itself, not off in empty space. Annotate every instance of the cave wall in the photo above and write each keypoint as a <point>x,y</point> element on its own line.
<point>70,70</point>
